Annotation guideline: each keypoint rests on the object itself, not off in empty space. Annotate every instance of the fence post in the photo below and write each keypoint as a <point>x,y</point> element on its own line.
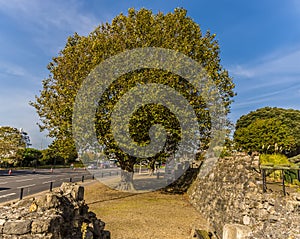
<point>21,193</point>
<point>283,185</point>
<point>70,180</point>
<point>264,180</point>
<point>93,177</point>
<point>51,186</point>
<point>82,178</point>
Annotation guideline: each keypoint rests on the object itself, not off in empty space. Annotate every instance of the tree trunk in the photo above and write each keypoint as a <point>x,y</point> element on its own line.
<point>126,183</point>
<point>151,167</point>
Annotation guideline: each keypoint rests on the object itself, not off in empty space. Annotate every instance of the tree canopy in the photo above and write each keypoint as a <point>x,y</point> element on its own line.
<point>11,141</point>
<point>138,29</point>
<point>269,130</point>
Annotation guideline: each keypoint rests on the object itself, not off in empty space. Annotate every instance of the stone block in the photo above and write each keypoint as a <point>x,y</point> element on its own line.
<point>236,231</point>
<point>17,227</point>
<point>76,191</point>
<point>56,223</point>
<point>40,226</point>
<point>98,227</point>
<point>47,201</point>
<point>246,220</point>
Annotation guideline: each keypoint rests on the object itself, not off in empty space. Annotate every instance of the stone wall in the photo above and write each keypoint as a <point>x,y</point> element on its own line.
<point>61,214</point>
<point>231,198</point>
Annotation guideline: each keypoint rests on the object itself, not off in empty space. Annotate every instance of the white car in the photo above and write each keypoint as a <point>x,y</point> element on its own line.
<point>92,166</point>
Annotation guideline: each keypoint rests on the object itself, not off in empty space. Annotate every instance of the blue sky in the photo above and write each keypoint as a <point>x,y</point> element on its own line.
<point>259,40</point>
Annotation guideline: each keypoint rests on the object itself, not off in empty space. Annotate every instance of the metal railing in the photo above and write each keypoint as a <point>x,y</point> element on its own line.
<point>283,169</point>
<point>80,178</point>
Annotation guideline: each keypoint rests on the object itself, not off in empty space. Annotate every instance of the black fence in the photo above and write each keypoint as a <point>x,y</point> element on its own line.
<point>288,175</point>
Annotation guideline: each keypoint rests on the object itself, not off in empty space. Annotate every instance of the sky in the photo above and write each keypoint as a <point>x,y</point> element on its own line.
<point>259,43</point>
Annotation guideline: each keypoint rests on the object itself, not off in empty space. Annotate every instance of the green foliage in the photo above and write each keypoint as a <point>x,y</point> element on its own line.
<point>29,157</point>
<point>274,159</point>
<point>269,130</point>
<point>265,136</point>
<point>50,157</point>
<point>11,141</point>
<point>227,148</point>
<point>138,29</point>
<point>290,175</point>
<point>63,150</point>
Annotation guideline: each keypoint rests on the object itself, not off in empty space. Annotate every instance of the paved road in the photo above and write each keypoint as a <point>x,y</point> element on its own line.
<point>11,185</point>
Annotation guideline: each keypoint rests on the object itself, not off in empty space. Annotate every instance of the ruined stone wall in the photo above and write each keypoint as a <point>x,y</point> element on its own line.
<point>231,198</point>
<point>61,214</point>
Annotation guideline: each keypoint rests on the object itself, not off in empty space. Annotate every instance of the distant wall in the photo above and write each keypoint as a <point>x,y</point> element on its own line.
<point>231,199</point>
<point>62,214</point>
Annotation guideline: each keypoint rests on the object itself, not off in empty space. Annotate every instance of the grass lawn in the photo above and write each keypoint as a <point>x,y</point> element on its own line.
<point>146,215</point>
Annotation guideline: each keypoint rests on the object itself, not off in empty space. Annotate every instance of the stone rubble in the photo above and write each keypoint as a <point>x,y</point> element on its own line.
<point>61,214</point>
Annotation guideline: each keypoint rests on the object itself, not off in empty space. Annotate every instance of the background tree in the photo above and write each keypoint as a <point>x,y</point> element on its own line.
<point>11,141</point>
<point>265,136</point>
<point>50,157</point>
<point>269,130</point>
<point>64,150</point>
<point>30,157</point>
<point>138,29</point>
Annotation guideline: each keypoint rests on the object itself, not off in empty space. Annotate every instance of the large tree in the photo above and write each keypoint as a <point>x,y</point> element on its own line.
<point>138,29</point>
<point>265,136</point>
<point>269,130</point>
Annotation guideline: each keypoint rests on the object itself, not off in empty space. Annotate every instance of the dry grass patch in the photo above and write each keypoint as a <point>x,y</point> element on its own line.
<point>148,215</point>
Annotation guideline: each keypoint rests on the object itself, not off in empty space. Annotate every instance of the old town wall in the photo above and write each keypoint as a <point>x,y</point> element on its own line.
<point>230,196</point>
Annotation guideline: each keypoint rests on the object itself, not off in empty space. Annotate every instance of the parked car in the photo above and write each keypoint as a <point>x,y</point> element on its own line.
<point>92,166</point>
<point>105,164</point>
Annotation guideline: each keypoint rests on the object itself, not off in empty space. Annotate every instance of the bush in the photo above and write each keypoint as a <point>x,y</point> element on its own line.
<point>275,159</point>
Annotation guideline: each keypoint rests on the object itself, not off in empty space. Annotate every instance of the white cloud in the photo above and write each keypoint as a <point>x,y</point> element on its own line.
<point>47,24</point>
<point>50,22</point>
<point>278,69</point>
<point>65,15</point>
<point>15,111</point>
<point>273,80</point>
<point>241,71</point>
<point>10,70</point>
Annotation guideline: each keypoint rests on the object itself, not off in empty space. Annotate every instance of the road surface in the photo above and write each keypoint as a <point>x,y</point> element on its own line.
<point>34,182</point>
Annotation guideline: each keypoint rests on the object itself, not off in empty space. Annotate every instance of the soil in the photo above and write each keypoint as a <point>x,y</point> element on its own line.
<point>154,215</point>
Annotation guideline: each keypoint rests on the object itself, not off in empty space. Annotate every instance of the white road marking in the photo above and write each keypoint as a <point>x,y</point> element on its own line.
<point>23,180</point>
<point>7,195</point>
<point>45,177</point>
<point>27,186</point>
<point>49,182</point>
